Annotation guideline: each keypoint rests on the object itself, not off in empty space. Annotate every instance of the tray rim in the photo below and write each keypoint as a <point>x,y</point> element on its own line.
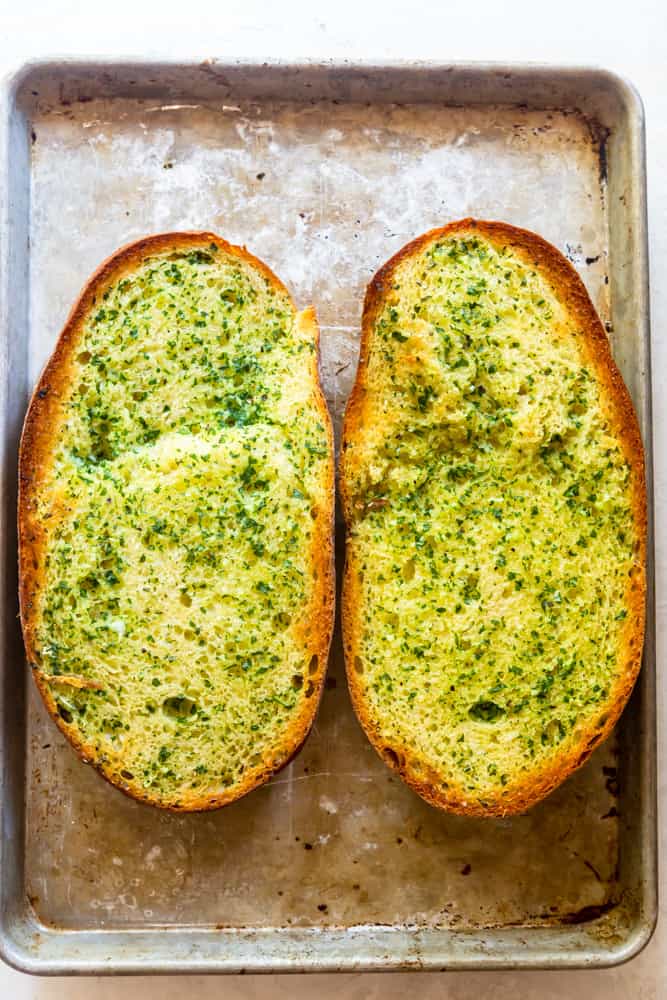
<point>12,950</point>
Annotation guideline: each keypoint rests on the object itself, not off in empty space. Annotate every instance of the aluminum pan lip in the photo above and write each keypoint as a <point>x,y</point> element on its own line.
<point>120,952</point>
<point>99,952</point>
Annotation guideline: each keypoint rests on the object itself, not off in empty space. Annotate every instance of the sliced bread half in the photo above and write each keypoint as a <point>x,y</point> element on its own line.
<point>175,523</point>
<point>493,486</point>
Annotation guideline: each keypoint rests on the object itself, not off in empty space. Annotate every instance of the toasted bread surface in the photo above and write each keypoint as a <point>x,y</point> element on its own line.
<point>493,486</point>
<point>175,523</point>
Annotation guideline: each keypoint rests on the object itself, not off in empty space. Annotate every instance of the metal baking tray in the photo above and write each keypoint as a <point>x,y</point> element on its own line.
<point>324,171</point>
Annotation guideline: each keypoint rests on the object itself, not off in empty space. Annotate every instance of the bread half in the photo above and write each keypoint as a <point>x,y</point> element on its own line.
<point>493,486</point>
<point>175,523</point>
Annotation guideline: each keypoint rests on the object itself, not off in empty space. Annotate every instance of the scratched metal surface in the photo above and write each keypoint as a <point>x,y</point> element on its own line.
<point>324,191</point>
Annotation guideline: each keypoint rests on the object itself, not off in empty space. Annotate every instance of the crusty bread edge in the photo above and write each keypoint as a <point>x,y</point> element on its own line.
<point>523,794</point>
<point>40,430</point>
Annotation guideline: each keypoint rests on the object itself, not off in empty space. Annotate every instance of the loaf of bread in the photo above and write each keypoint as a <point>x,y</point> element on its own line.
<point>494,493</point>
<point>175,522</point>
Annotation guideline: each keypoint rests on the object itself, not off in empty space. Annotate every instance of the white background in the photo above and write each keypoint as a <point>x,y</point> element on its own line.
<point>629,37</point>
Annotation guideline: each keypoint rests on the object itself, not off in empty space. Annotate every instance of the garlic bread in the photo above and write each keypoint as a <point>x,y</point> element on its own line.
<point>493,486</point>
<point>175,523</point>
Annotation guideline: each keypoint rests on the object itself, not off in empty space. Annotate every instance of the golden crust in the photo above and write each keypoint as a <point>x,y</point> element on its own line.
<point>521,795</point>
<point>40,430</point>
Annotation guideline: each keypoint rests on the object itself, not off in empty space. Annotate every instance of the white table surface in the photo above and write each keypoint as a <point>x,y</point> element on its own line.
<point>629,37</point>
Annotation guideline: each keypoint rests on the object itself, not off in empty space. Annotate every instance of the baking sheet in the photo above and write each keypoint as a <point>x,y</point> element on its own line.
<point>335,855</point>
